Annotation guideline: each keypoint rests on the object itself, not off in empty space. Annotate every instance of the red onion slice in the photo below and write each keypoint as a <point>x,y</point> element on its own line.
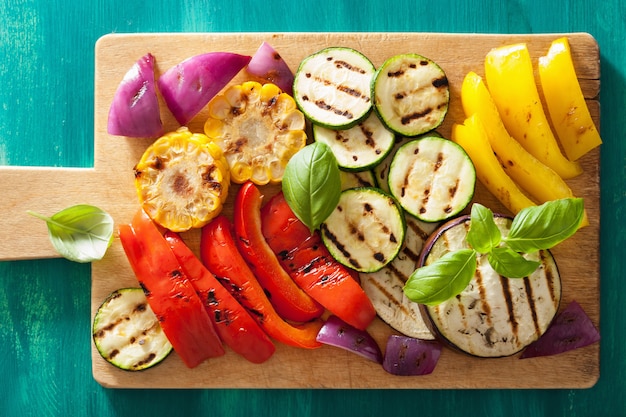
<point>134,111</point>
<point>408,356</point>
<point>571,329</point>
<point>268,65</point>
<point>188,86</point>
<point>335,332</point>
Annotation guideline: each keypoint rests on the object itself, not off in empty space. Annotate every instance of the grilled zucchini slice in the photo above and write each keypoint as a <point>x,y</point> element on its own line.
<point>366,230</point>
<point>127,333</point>
<point>332,87</point>
<point>360,147</point>
<point>433,178</point>
<point>410,93</point>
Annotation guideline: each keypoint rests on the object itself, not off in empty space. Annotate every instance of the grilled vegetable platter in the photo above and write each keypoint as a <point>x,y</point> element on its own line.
<point>276,352</point>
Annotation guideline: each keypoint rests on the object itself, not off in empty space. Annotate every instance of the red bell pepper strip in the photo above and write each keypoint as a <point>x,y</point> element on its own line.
<point>171,296</point>
<point>310,264</point>
<point>220,255</point>
<point>234,325</point>
<point>288,299</point>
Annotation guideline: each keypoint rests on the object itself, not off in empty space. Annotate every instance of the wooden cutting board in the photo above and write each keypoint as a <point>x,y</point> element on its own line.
<point>109,185</point>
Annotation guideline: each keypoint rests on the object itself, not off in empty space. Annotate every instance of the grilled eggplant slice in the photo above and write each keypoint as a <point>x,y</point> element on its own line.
<point>385,287</point>
<point>127,333</point>
<point>332,87</point>
<point>366,230</point>
<point>433,178</point>
<point>494,316</point>
<point>410,94</point>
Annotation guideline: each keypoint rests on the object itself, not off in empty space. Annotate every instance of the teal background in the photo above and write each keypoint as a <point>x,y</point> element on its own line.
<point>46,118</point>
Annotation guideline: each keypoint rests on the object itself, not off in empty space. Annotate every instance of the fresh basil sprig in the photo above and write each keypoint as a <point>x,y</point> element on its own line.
<point>533,229</point>
<point>311,184</point>
<point>80,233</point>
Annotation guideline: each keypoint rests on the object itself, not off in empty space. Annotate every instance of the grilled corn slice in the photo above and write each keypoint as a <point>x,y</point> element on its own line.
<point>259,128</point>
<point>182,180</point>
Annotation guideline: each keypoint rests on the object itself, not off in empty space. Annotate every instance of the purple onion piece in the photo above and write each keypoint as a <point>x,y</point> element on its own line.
<point>571,329</point>
<point>134,111</point>
<point>335,332</point>
<point>189,86</point>
<point>408,356</point>
<point>268,65</point>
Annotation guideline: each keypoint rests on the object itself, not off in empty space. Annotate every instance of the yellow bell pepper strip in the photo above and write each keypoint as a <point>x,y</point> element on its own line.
<point>566,104</point>
<point>537,179</point>
<point>510,79</point>
<point>472,137</point>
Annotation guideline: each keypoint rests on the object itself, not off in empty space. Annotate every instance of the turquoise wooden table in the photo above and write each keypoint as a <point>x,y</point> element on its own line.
<point>46,119</point>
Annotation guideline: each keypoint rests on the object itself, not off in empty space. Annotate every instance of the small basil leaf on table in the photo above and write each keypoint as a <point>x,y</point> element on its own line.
<point>80,233</point>
<point>511,264</point>
<point>545,226</point>
<point>448,276</point>
<point>311,184</point>
<point>483,234</point>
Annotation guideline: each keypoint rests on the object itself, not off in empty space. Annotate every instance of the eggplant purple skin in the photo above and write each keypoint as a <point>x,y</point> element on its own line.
<point>422,259</point>
<point>407,356</point>
<point>335,332</point>
<point>134,111</point>
<point>189,86</point>
<point>268,65</point>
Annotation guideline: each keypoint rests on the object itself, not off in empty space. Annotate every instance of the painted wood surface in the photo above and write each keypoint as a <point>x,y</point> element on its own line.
<point>47,120</point>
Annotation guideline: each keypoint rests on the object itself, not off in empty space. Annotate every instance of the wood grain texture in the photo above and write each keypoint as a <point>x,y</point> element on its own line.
<point>109,184</point>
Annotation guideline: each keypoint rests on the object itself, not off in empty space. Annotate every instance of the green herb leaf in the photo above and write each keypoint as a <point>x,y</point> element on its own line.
<point>80,233</point>
<point>511,264</point>
<point>483,234</point>
<point>545,226</point>
<point>311,184</point>
<point>443,279</point>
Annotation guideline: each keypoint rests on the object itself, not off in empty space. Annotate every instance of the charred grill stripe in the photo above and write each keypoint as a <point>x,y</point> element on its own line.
<point>340,246</point>
<point>393,301</point>
<point>410,254</point>
<point>544,255</point>
<point>508,299</point>
<point>486,308</point>
<point>423,235</point>
<point>344,64</point>
<point>324,106</point>
<point>440,82</point>
<point>532,304</point>
<point>409,118</point>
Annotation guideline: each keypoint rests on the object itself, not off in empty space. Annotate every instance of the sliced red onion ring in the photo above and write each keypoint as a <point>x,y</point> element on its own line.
<point>408,356</point>
<point>268,65</point>
<point>188,86</point>
<point>134,111</point>
<point>572,329</point>
<point>335,332</point>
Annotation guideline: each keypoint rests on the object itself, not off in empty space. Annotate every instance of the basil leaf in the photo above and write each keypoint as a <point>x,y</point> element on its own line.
<point>511,264</point>
<point>483,234</point>
<point>545,226</point>
<point>443,279</point>
<point>311,184</point>
<point>80,233</point>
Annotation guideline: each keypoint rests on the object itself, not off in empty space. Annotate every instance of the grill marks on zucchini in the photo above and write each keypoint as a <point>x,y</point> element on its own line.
<point>411,94</point>
<point>358,148</point>
<point>366,230</point>
<point>332,87</point>
<point>432,178</point>
<point>496,316</point>
<point>127,333</point>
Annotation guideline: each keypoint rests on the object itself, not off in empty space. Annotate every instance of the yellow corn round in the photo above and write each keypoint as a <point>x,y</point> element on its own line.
<point>259,128</point>
<point>182,180</point>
